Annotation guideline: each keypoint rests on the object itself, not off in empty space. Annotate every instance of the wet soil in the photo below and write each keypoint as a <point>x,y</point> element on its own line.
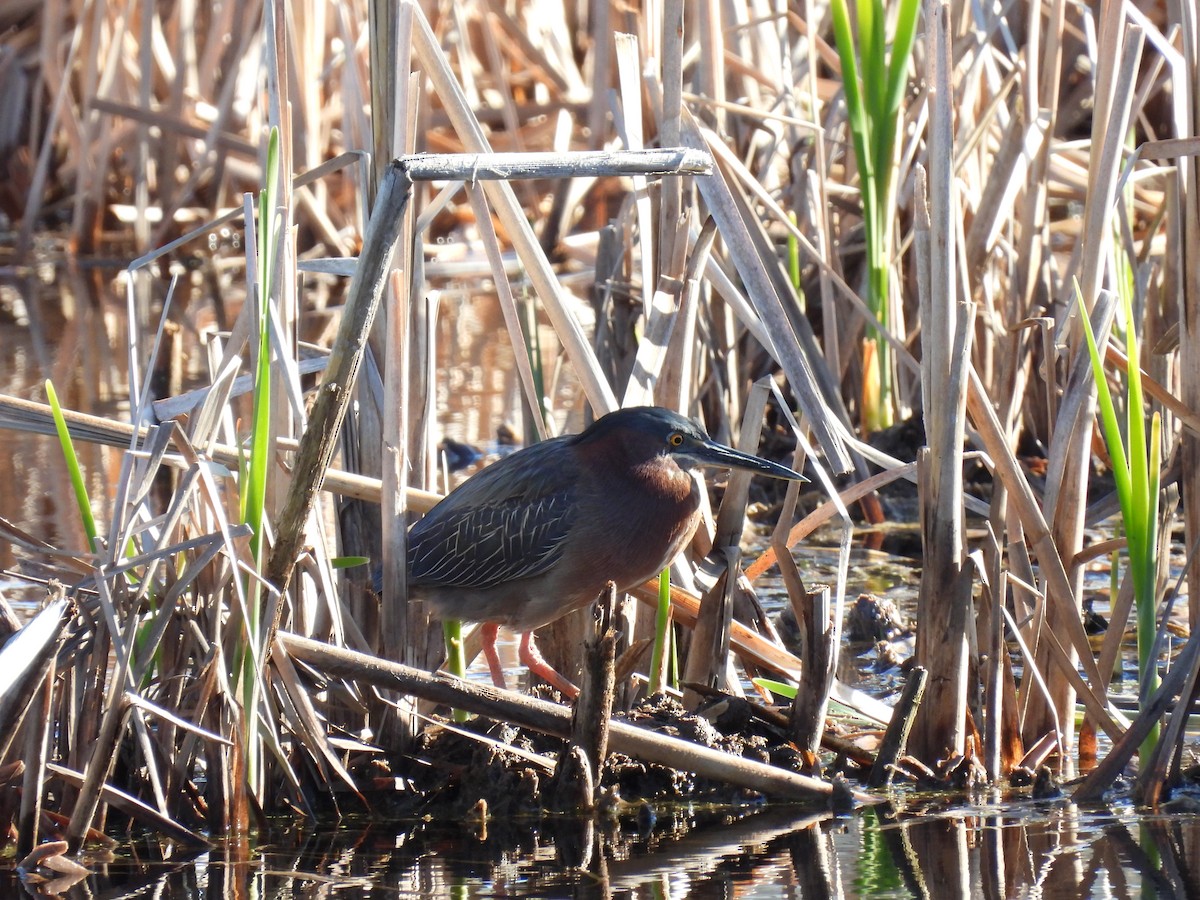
<point>494,769</point>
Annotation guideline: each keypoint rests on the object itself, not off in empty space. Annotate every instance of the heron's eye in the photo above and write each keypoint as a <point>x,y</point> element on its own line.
<point>676,439</point>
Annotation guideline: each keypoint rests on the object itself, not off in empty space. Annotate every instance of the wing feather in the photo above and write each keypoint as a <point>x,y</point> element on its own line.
<point>485,545</point>
<point>505,523</point>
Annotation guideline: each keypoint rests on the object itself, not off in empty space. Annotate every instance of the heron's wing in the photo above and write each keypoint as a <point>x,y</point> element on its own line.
<point>488,545</point>
<point>506,523</point>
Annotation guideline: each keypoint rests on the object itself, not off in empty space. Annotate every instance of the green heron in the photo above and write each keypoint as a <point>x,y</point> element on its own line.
<point>539,533</point>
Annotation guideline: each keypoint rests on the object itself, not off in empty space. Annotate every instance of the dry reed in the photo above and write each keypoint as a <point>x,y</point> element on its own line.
<point>1057,141</point>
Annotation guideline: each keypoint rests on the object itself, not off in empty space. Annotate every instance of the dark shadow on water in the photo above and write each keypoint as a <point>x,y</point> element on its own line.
<point>989,849</point>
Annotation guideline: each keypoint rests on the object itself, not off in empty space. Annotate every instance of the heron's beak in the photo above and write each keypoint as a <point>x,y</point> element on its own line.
<point>711,453</point>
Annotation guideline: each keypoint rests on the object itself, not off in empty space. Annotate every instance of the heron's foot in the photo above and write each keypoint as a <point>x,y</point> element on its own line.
<point>533,660</point>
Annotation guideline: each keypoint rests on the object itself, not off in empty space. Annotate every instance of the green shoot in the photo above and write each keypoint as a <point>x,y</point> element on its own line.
<point>662,626</point>
<point>255,469</point>
<point>793,262</point>
<point>782,688</point>
<point>1135,474</point>
<point>73,470</point>
<point>348,562</point>
<point>874,85</point>
<point>456,659</point>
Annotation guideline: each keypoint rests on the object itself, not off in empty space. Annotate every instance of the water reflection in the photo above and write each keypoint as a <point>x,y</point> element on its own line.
<point>994,849</point>
<point>75,339</point>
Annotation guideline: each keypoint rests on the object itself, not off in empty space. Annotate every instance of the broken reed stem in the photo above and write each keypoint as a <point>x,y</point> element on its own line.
<point>36,747</point>
<point>944,607</point>
<point>493,166</point>
<point>593,709</point>
<point>709,652</point>
<point>336,390</point>
<point>807,721</point>
<point>896,737</point>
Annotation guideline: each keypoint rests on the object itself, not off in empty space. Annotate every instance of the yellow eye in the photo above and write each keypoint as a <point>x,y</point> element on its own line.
<point>676,439</point>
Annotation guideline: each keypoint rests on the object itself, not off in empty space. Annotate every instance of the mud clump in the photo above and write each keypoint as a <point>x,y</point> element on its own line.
<point>482,764</point>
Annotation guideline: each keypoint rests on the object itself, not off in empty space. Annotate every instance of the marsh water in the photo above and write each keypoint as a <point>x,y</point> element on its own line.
<point>986,847</point>
<point>989,844</point>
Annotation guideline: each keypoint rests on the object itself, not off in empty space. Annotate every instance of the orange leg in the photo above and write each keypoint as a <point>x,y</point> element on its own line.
<point>488,631</point>
<point>533,661</point>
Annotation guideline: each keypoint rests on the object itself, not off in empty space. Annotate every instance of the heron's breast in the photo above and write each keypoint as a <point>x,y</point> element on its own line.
<point>638,528</point>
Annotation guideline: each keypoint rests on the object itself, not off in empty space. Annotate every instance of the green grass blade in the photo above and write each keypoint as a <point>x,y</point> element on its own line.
<point>78,485</point>
<point>902,45</point>
<point>1135,474</point>
<point>267,202</point>
<point>348,562</point>
<point>872,19</point>
<point>787,691</point>
<point>1136,429</point>
<point>855,111</point>
<point>894,82</point>
<point>873,104</point>
<point>1108,413</point>
<point>662,622</point>
<point>256,468</point>
<point>1153,488</point>
<point>254,494</point>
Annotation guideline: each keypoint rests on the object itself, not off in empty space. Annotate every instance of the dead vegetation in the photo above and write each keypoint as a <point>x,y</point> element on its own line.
<point>1042,147</point>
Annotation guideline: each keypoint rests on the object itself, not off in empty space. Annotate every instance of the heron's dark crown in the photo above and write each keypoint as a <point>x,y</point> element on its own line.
<point>652,421</point>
